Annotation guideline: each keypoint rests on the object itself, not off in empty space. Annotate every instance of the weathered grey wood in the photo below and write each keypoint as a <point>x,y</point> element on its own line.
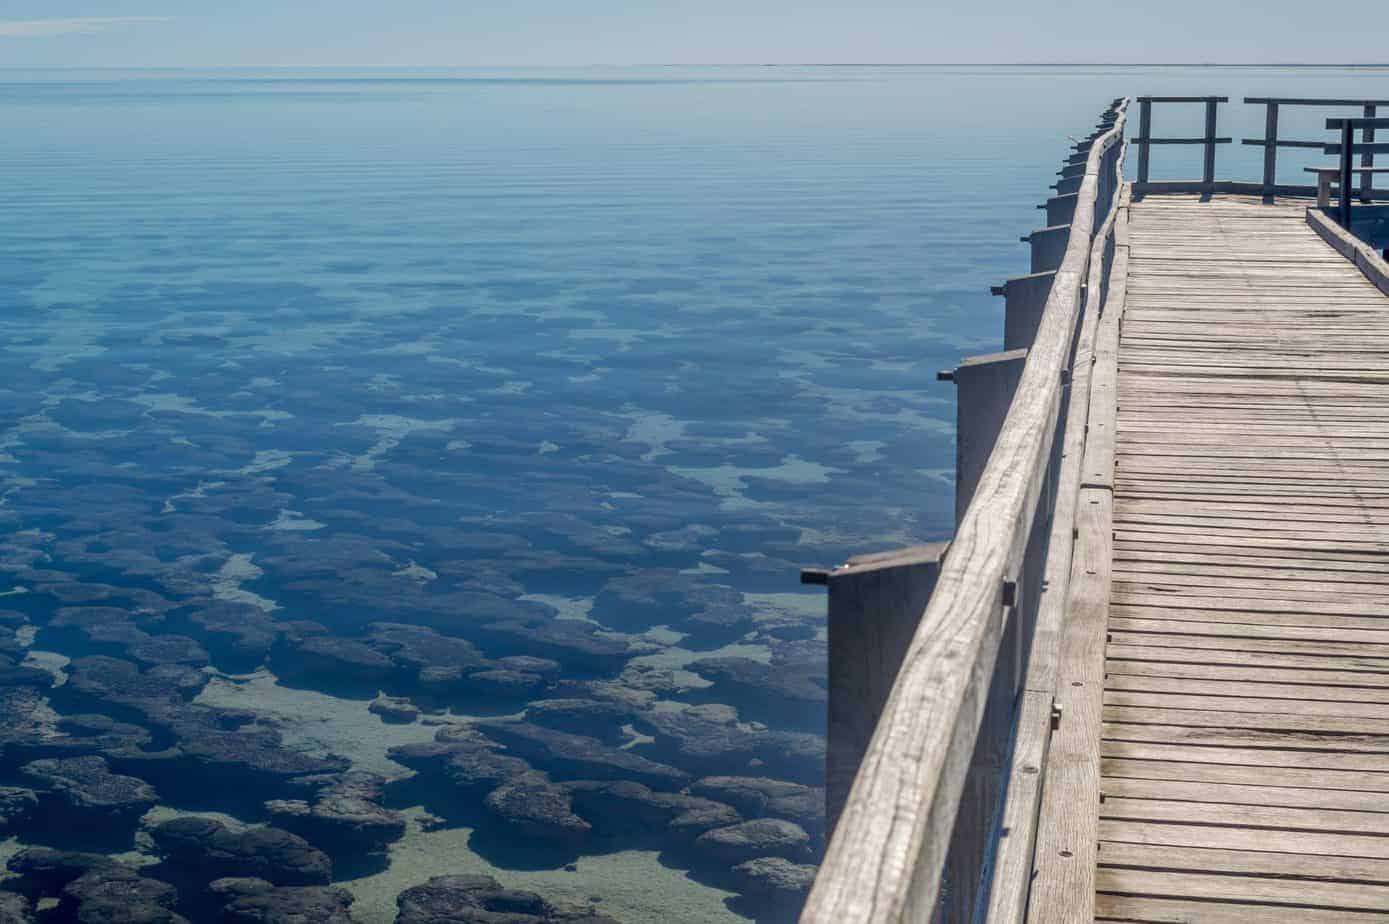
<point>1012,875</point>
<point>1061,210</point>
<point>1048,247</point>
<point>875,605</point>
<point>1063,890</point>
<point>885,857</point>
<point>1025,300</point>
<point>1241,735</point>
<point>1374,266</point>
<point>985,386</point>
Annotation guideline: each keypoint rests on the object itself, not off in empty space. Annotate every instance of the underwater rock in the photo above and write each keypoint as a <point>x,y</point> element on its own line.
<point>238,636</point>
<point>565,755</point>
<point>596,718</point>
<point>168,649</point>
<point>84,794</point>
<point>205,849</point>
<point>16,909</point>
<point>618,808</point>
<point>536,808</point>
<point>17,806</point>
<point>572,643</point>
<point>764,690</point>
<point>256,901</point>
<point>116,894</point>
<point>415,648</point>
<point>345,814</point>
<point>45,871</point>
<point>394,709</point>
<point>475,899</point>
<point>762,837</point>
<point>710,614</point>
<point>757,797</point>
<point>332,661</point>
<point>710,740</point>
<point>504,684</point>
<point>470,762</point>
<point>774,879</point>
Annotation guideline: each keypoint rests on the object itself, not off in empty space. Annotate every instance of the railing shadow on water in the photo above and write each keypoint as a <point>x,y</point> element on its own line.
<point>943,658</point>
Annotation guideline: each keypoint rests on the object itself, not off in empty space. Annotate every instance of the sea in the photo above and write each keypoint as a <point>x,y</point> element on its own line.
<point>612,346</point>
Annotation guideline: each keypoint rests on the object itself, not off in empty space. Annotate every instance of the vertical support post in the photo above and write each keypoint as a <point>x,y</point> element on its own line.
<point>875,604</point>
<point>1347,156</point>
<point>984,391</point>
<point>1367,157</point>
<point>1208,174</point>
<point>1145,130</point>
<point>1270,149</point>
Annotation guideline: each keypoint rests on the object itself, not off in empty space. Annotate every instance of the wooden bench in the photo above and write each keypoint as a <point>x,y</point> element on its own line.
<point>1328,175</point>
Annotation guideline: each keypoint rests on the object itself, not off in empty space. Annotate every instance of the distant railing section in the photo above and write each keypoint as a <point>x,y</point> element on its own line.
<point>1208,141</point>
<point>1345,150</point>
<point>940,656</point>
<point>1271,142</point>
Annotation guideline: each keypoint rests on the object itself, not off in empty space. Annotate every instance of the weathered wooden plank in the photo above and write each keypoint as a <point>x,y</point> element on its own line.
<point>1301,893</point>
<point>1129,908</point>
<point>884,860</point>
<point>1292,782</point>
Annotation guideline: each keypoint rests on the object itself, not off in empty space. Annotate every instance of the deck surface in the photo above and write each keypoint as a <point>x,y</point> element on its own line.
<point>1245,739</point>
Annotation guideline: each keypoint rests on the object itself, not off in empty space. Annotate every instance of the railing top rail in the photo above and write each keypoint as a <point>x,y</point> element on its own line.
<point>887,851</point>
<point>1184,99</point>
<point>1357,123</point>
<point>1295,101</point>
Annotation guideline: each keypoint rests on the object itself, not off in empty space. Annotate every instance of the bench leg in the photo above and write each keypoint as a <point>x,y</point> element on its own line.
<point>1324,190</point>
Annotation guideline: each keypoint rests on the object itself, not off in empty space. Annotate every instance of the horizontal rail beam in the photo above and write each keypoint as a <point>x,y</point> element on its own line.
<point>1292,101</point>
<point>1183,99</point>
<point>1282,143</point>
<point>1179,141</point>
<point>1378,147</point>
<point>1357,123</point>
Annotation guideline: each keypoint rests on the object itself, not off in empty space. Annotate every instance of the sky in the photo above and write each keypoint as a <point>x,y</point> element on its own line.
<point>468,33</point>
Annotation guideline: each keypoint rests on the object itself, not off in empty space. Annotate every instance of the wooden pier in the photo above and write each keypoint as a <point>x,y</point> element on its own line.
<point>1148,680</point>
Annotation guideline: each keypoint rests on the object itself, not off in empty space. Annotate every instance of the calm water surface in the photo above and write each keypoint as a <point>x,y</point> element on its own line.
<point>621,347</point>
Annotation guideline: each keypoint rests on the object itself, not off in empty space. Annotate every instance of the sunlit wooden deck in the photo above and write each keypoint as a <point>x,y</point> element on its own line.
<point>1244,726</point>
<point>1148,678</point>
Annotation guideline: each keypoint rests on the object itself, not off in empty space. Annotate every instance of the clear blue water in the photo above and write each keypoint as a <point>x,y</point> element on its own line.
<point>350,346</point>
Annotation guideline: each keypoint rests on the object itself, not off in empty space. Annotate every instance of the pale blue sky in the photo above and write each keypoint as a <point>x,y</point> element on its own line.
<point>397,33</point>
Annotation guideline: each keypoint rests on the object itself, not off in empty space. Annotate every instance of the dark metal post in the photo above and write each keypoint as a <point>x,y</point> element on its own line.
<point>1208,177</point>
<point>1270,149</point>
<point>1367,157</point>
<point>1145,126</point>
<point>1347,155</point>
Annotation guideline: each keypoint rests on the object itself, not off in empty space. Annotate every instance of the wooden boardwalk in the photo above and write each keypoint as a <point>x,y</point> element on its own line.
<point>1244,734</point>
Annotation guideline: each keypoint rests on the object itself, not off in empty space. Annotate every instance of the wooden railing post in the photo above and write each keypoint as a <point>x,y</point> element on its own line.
<point>1145,130</point>
<point>1270,149</point>
<point>984,387</point>
<point>875,605</point>
<point>1025,298</point>
<point>1347,158</point>
<point>1367,157</point>
<point>1208,174</point>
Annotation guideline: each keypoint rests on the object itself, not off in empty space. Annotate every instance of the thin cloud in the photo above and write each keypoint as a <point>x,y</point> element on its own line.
<point>40,28</point>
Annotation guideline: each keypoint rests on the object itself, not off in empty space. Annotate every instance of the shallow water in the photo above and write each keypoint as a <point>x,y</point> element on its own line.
<point>349,347</point>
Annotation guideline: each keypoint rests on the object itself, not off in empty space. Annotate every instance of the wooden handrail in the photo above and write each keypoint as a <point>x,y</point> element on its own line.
<point>1013,866</point>
<point>1271,142</point>
<point>1209,140</point>
<point>887,851</point>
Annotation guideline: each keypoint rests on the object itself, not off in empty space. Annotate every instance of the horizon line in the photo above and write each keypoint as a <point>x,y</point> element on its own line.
<point>885,64</point>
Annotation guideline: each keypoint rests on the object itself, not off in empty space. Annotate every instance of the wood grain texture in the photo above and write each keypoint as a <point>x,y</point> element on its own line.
<point>1242,737</point>
<point>885,857</point>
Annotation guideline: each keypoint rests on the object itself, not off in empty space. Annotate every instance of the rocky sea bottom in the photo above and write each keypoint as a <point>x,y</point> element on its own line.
<point>403,774</point>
